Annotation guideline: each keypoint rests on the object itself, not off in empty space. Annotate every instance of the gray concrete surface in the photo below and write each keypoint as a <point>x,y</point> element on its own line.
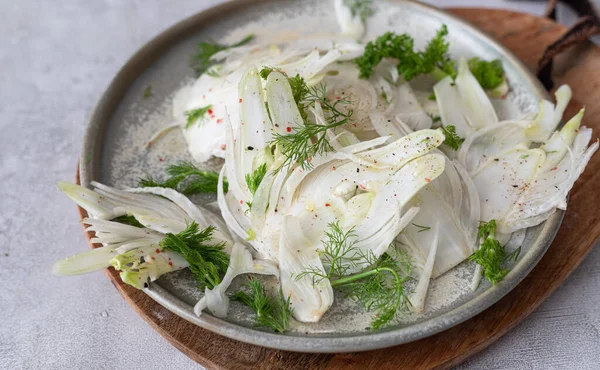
<point>56,57</point>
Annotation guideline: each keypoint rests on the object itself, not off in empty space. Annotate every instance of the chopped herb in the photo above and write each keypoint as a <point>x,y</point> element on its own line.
<point>270,313</point>
<point>378,287</point>
<point>489,74</point>
<point>452,139</point>
<point>298,146</point>
<point>148,92</point>
<point>362,8</point>
<point>384,95</point>
<point>431,97</point>
<point>524,156</point>
<point>187,179</point>
<point>201,60</point>
<point>433,60</point>
<point>195,114</point>
<point>254,179</point>
<point>422,228</point>
<point>207,262</point>
<point>491,255</point>
<point>128,220</point>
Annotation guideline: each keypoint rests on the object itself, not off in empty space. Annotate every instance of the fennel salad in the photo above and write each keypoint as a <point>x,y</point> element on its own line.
<point>367,167</point>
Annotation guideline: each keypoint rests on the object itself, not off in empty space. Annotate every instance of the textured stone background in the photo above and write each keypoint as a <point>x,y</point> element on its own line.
<point>56,58</point>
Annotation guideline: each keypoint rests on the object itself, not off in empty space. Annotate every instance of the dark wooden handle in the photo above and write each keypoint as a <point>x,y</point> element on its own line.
<point>587,26</point>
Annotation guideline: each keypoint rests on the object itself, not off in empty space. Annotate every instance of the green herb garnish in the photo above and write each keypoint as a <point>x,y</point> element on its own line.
<point>207,262</point>
<point>270,312</point>
<point>380,287</point>
<point>201,61</point>
<point>195,114</point>
<point>362,8</point>
<point>489,74</point>
<point>299,88</point>
<point>433,60</point>
<point>128,220</point>
<point>187,179</point>
<point>148,92</point>
<point>255,178</point>
<point>422,228</point>
<point>491,255</point>
<point>452,139</point>
<point>298,146</point>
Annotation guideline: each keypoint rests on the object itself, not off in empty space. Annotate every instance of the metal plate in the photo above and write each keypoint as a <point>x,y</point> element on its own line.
<point>114,153</point>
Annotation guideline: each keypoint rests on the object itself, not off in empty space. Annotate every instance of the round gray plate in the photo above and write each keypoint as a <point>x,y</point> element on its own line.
<point>114,153</point>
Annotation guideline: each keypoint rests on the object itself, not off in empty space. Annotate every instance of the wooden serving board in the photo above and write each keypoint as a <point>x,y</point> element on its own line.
<point>527,36</point>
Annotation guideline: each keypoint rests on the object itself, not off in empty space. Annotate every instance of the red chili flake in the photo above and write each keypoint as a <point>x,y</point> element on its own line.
<point>288,129</point>
<point>520,204</point>
<point>554,169</point>
<point>333,168</point>
<point>374,161</point>
<point>241,202</point>
<point>299,170</point>
<point>240,100</point>
<point>152,257</point>
<point>169,258</point>
<point>210,111</point>
<point>157,251</point>
<point>327,205</point>
<point>503,97</point>
<point>220,120</point>
<point>354,124</point>
<point>362,186</point>
<point>427,179</point>
<point>212,116</point>
<point>170,263</point>
<point>338,97</point>
<point>223,146</point>
<point>161,159</point>
<point>310,159</point>
<point>149,144</point>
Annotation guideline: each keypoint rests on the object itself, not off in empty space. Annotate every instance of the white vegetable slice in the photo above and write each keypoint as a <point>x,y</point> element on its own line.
<point>407,108</point>
<point>351,25</point>
<point>463,103</point>
<point>418,298</point>
<point>296,254</point>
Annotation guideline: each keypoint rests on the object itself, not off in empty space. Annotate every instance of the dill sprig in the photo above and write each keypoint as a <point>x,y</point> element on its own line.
<point>187,179</point>
<point>362,8</point>
<point>128,220</point>
<point>255,178</point>
<point>433,60</point>
<point>207,262</point>
<point>491,255</point>
<point>422,228</point>
<point>310,140</point>
<point>452,139</point>
<point>195,114</point>
<point>378,287</point>
<point>148,92</point>
<point>270,312</point>
<point>201,61</point>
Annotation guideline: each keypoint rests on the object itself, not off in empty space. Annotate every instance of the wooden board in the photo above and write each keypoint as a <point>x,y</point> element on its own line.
<point>527,36</point>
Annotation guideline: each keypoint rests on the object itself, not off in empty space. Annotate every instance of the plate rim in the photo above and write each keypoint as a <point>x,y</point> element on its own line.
<point>342,342</point>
